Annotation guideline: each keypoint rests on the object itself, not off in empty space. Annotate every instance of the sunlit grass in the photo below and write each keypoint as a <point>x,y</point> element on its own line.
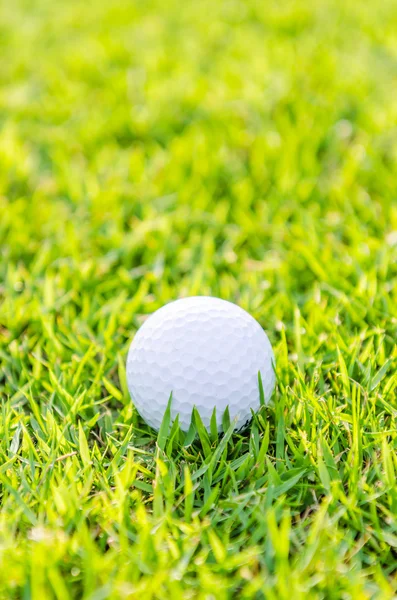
<point>150,151</point>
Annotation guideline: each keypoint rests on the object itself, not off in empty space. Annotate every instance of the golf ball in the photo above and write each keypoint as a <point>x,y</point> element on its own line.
<point>207,352</point>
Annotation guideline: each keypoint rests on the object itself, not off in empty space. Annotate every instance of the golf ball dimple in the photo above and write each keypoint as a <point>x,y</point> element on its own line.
<point>207,352</point>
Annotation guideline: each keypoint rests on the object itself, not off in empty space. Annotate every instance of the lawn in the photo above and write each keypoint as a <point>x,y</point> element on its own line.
<point>150,151</point>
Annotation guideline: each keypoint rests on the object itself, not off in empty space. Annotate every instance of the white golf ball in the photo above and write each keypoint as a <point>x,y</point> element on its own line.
<point>205,351</point>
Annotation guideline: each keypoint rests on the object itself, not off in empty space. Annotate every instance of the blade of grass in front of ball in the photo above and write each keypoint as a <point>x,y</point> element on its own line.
<point>191,433</point>
<point>213,427</point>
<point>222,446</point>
<point>173,437</point>
<point>261,392</point>
<point>202,433</point>
<point>162,435</point>
<point>226,419</point>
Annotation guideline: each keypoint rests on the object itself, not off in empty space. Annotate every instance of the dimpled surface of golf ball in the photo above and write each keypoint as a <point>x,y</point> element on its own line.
<point>207,352</point>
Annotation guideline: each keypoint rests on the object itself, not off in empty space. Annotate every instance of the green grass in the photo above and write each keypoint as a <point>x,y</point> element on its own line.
<point>149,151</point>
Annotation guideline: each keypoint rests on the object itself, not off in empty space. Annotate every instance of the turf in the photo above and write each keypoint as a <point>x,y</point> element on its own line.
<point>150,151</point>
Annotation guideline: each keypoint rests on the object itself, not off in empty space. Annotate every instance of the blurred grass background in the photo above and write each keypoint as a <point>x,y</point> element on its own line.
<point>240,149</point>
